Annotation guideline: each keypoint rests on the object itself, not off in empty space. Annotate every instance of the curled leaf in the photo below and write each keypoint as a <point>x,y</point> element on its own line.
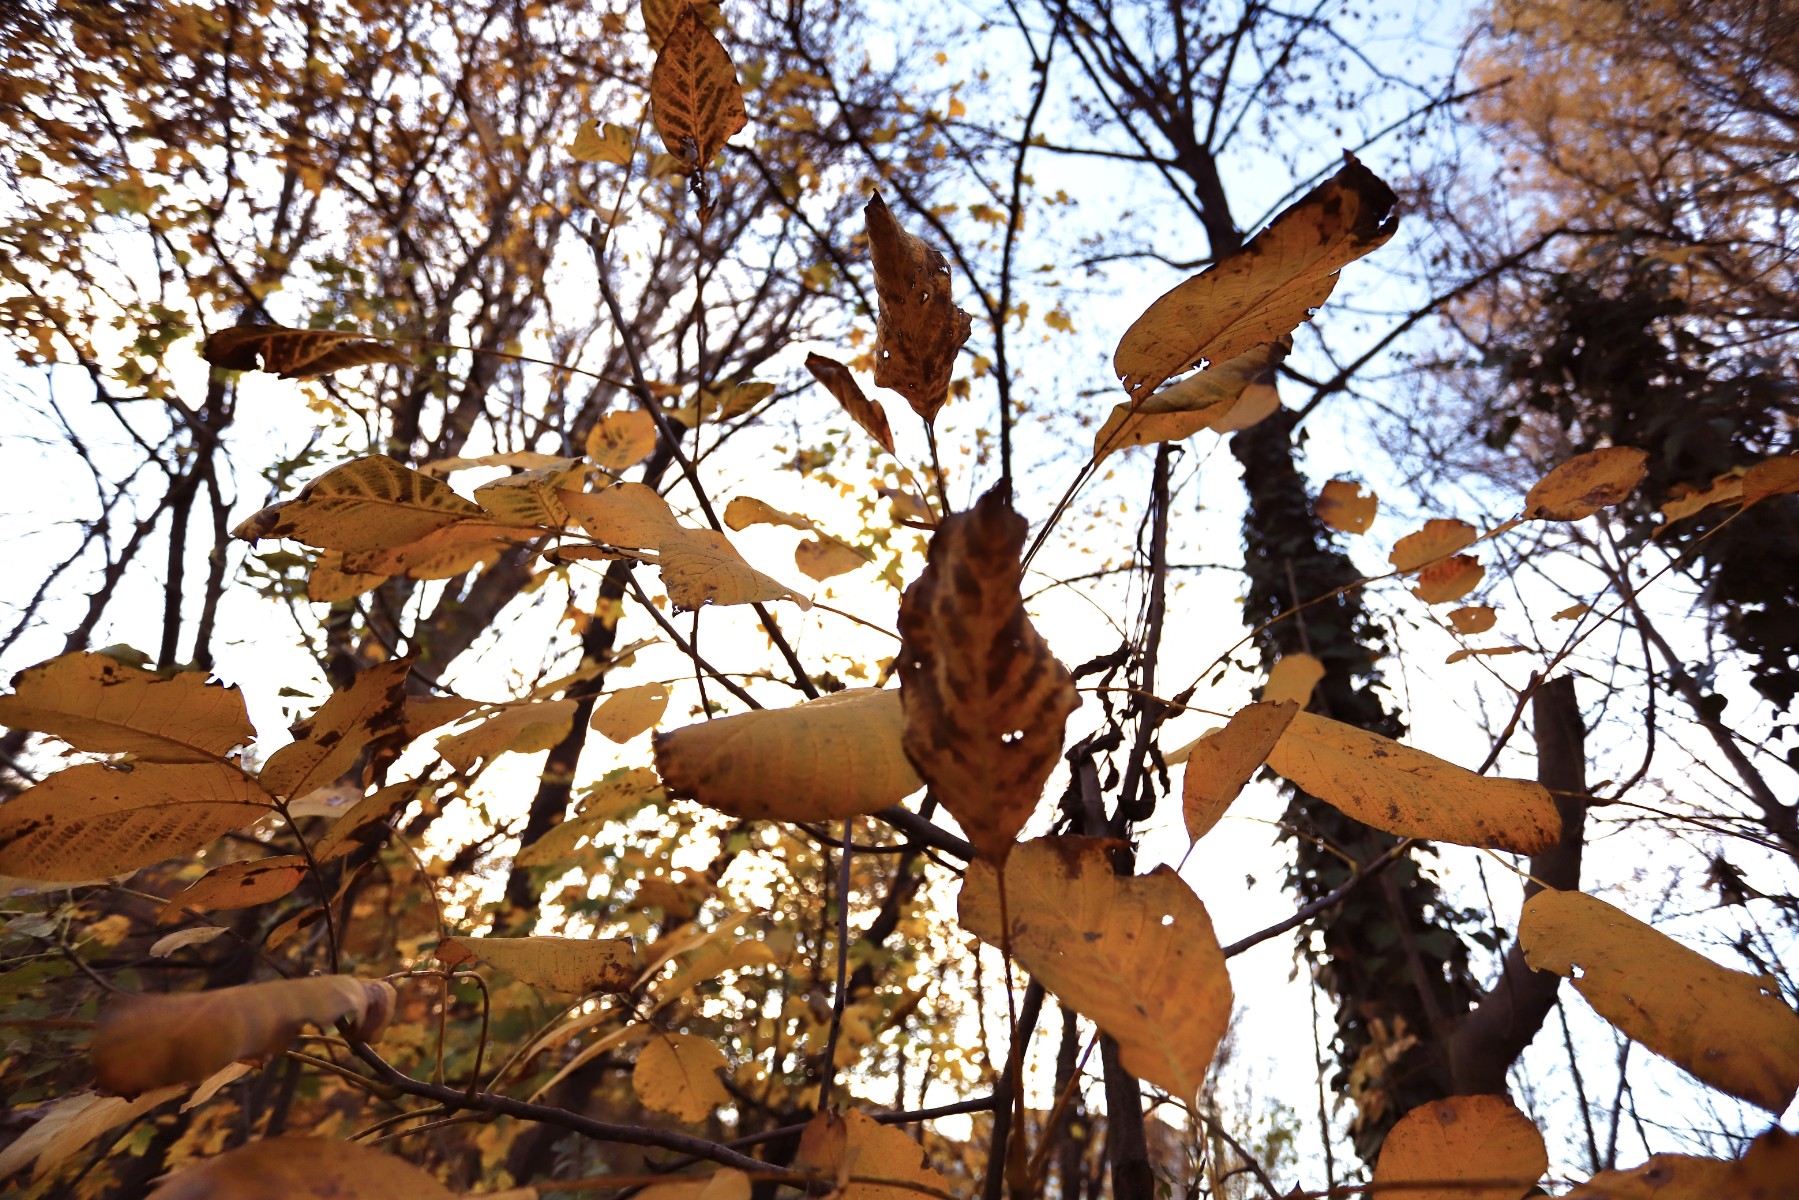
<point>744,511</point>
<point>822,558</point>
<point>329,742</point>
<point>1771,477</point>
<point>919,328</point>
<point>842,384</point>
<point>296,353</point>
<point>1229,396</point>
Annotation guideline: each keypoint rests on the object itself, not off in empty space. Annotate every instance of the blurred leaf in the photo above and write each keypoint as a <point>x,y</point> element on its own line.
<point>296,353</point>
<point>294,1168</point>
<point>578,966</point>
<point>1451,1147</point>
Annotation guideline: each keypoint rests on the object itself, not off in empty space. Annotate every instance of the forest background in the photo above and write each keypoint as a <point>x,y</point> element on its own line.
<point>1594,250</point>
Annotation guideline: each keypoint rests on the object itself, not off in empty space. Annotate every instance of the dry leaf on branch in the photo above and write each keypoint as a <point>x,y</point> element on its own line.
<point>726,1183</point>
<point>1347,506</point>
<point>578,966</point>
<point>701,567</point>
<point>1391,786</point>
<point>296,1168</point>
<point>1765,1172</point>
<point>838,1146</point>
<point>528,499</point>
<point>146,1042</point>
<point>821,558</point>
<point>516,729</point>
<point>96,703</point>
<point>985,699</point>
<point>842,384</point>
<point>677,1073</point>
<point>1474,619</point>
<point>1772,477</point>
<point>1725,1027</point>
<point>744,511</point>
<point>1439,539</point>
<point>366,821</point>
<point>621,439</point>
<point>1458,1144</point>
<point>237,885</point>
<point>603,142</point>
<point>834,757</point>
<point>1449,579</point>
<point>373,503</point>
<point>625,514</point>
<point>71,1124</point>
<point>1586,483</point>
<point>1265,290</point>
<point>1220,763</point>
<point>1293,677</point>
<point>1229,396</point>
<point>695,99</point>
<point>1136,955</point>
<point>296,353</point>
<point>919,328</point>
<point>624,714</point>
<point>329,742</point>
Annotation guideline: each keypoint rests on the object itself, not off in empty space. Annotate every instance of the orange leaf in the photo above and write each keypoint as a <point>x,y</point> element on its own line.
<point>1587,483</point>
<point>1458,1144</point>
<point>842,384</point>
<point>1220,763</point>
<point>1346,506</point>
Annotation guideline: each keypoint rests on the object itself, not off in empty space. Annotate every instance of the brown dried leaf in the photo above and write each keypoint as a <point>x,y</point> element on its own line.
<point>1221,762</point>
<point>744,511</point>
<point>1293,677</point>
<point>95,702</point>
<point>328,582</point>
<point>919,328</point>
<point>70,1125</point>
<point>1728,1029</point>
<point>442,554</point>
<point>1586,483</point>
<point>529,499</point>
<point>985,699</point>
<point>373,503</point>
<point>1483,652</point>
<point>578,966</point>
<point>1347,506</point>
<point>695,100</point>
<point>854,1143</point>
<point>237,885</point>
<point>837,756</point>
<point>1458,1144</point>
<point>701,566</point>
<point>146,1042</point>
<point>296,353</point>
<point>1772,477</point>
<point>329,742</point>
<point>1265,290</point>
<point>366,821</point>
<point>842,384</point>
<point>625,514</point>
<point>299,1168</point>
<point>516,729</point>
<point>1437,540</point>
<point>1477,618</point>
<point>1765,1172</point>
<point>1449,579</point>
<point>1223,398</point>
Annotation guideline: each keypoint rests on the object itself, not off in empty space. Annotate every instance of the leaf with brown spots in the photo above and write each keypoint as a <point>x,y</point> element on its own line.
<point>695,99</point>
<point>1586,483</point>
<point>296,353</point>
<point>1469,1147</point>
<point>1438,540</point>
<point>920,328</point>
<point>842,384</point>
<point>619,439</point>
<point>329,742</point>
<point>95,702</point>
<point>577,966</point>
<point>985,699</point>
<point>701,567</point>
<point>237,885</point>
<point>373,503</point>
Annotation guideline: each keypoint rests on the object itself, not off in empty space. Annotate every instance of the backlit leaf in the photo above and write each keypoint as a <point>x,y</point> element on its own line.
<point>624,714</point>
<point>919,328</point>
<point>577,966</point>
<point>441,554</point>
<point>700,567</point>
<point>1293,677</point>
<point>516,729</point>
<point>625,514</point>
<point>726,1183</point>
<point>1729,1029</point>
<point>695,100</point>
<point>95,821</point>
<point>1458,1144</point>
<point>296,353</point>
<point>1450,579</point>
<point>744,511</point>
<point>1221,762</point>
<point>1474,619</point>
<point>1483,652</point>
<point>329,742</point>
<point>1437,540</point>
<point>373,503</point>
<point>823,558</point>
<point>842,384</point>
<point>1772,477</point>
<point>677,1073</point>
<point>1221,398</point>
<point>620,439</point>
<point>854,1143</point>
<point>1346,506</point>
<point>1765,1172</point>
<point>986,701</point>
<point>96,703</point>
<point>328,582</point>
<point>237,885</point>
<point>1265,290</point>
<point>1393,787</point>
<point>597,142</point>
<point>146,1042</point>
<point>1136,955</point>
<point>366,821</point>
<point>295,1168</point>
<point>1587,483</point>
<point>529,498</point>
<point>1685,500</point>
<point>837,756</point>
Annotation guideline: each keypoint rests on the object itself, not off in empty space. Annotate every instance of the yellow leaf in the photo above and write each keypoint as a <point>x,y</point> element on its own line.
<point>700,567</point>
<point>588,1052</point>
<point>1450,579</point>
<point>578,966</point>
<point>986,700</point>
<point>695,100</point>
<point>1221,762</point>
<point>373,503</point>
<point>1729,1029</point>
<point>744,511</point>
<point>823,558</point>
<point>867,413</point>
<point>713,961</point>
<point>328,582</point>
<point>300,1168</point>
<point>1586,483</point>
<point>441,554</point>
<point>726,1183</point>
<point>237,885</point>
<point>1263,291</point>
<point>1459,1143</point>
<point>855,1144</point>
<point>1293,677</point>
<point>620,793</point>
<point>1222,398</point>
<point>296,353</point>
<point>146,1042</point>
<point>1773,477</point>
<point>624,714</point>
<point>1474,619</point>
<point>1134,955</point>
<point>1347,506</point>
<point>677,1073</point>
<point>530,498</point>
<point>366,820</point>
<point>1686,500</point>
<point>918,328</point>
<point>71,1124</point>
<point>625,514</point>
<point>1436,541</point>
<point>1572,612</point>
<point>1483,652</point>
<point>1393,787</point>
<point>521,459</point>
<point>329,742</point>
<point>95,821</point>
<point>98,704</point>
<point>1765,1172</point>
<point>517,729</point>
<point>606,143</point>
<point>837,756</point>
<point>620,439</point>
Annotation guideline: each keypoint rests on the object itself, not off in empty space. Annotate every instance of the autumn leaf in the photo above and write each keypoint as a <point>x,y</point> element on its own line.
<point>620,439</point>
<point>625,514</point>
<point>296,353</point>
<point>1229,396</point>
<point>677,1073</point>
<point>1405,791</point>
<point>1265,290</point>
<point>1765,1172</point>
<point>366,820</point>
<point>726,1183</point>
<point>744,511</point>
<point>695,100</point>
<point>1483,652</point>
<point>529,499</point>
<point>1724,1027</point>
<point>1449,579</point>
<point>867,413</point>
<point>1438,540</point>
<point>1685,500</point>
<point>624,714</point>
<point>985,699</point>
<point>96,703</point>
<point>1346,506</point>
<point>331,740</point>
<point>701,567</point>
<point>1220,763</point>
<point>1135,955</point>
<point>96,820</point>
<point>837,756</point>
<point>1771,477</point>
<point>373,503</point>
<point>295,1168</point>
<point>1587,483</point>
<point>919,328</point>
<point>822,558</point>
<point>578,966</point>
<point>168,943</point>
<point>516,729</point>
<point>1472,620</point>
<point>1458,1144</point>
<point>441,554</point>
<point>147,1042</point>
<point>1293,677</point>
<point>328,582</point>
<point>602,142</point>
<point>237,885</point>
<point>838,1146</point>
<point>71,1124</point>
